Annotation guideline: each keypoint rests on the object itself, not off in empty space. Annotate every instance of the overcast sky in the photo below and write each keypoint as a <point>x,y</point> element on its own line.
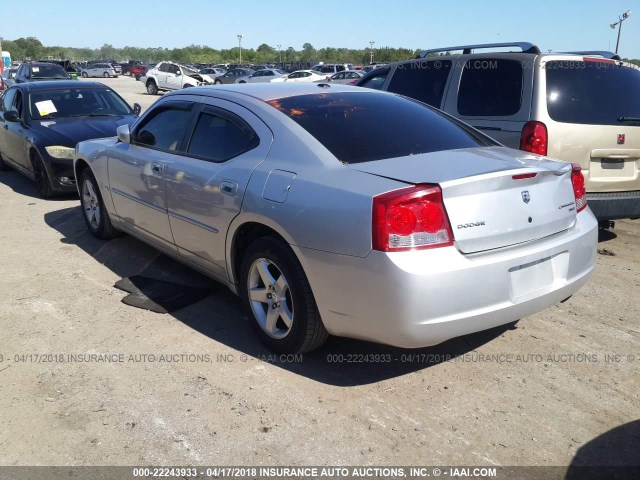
<point>553,25</point>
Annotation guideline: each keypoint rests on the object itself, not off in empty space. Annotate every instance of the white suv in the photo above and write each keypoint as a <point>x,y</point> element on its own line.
<point>171,76</point>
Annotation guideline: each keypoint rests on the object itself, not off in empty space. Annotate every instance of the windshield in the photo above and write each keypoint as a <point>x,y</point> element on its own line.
<point>76,102</point>
<point>355,127</point>
<point>592,92</point>
<point>188,71</point>
<point>48,71</point>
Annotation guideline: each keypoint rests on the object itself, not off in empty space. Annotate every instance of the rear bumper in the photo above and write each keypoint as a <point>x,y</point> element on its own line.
<point>615,205</point>
<point>422,298</point>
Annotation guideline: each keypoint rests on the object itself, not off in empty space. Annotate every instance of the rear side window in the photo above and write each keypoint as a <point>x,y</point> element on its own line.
<point>423,80</point>
<point>221,136</point>
<point>362,126</point>
<point>490,87</point>
<point>592,92</point>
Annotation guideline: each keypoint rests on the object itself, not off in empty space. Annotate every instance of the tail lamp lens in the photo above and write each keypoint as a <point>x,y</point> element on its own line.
<point>410,219</point>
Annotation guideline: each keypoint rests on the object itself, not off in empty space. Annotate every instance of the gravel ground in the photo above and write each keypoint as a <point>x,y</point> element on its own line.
<point>87,380</point>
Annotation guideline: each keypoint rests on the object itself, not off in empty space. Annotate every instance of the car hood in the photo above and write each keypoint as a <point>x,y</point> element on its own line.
<point>69,131</point>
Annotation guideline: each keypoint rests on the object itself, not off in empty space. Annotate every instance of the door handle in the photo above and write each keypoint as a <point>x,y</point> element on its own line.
<point>228,187</point>
<point>157,167</point>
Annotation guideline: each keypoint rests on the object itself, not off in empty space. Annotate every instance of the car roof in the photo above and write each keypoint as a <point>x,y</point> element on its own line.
<point>58,84</point>
<point>270,91</point>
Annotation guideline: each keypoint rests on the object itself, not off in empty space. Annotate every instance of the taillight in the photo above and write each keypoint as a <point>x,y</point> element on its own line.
<point>412,218</point>
<point>534,138</point>
<point>579,190</point>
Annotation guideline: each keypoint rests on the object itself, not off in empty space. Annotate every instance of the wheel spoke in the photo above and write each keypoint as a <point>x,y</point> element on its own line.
<point>258,295</point>
<point>281,286</point>
<point>272,318</point>
<point>264,273</point>
<point>286,315</point>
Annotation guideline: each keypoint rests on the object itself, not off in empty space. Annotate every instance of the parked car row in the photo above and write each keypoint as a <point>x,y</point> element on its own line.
<point>248,184</point>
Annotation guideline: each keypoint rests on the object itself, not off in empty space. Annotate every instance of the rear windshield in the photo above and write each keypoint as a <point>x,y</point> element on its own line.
<point>592,92</point>
<point>362,127</point>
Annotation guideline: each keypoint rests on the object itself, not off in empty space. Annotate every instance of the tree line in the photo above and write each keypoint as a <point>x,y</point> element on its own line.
<point>31,48</point>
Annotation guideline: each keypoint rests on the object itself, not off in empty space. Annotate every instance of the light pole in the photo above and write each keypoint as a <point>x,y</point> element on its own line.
<point>621,19</point>
<point>280,54</point>
<point>371,51</point>
<point>240,45</point>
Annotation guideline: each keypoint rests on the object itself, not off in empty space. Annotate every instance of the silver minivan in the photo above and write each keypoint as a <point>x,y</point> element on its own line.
<point>578,107</point>
<point>99,70</point>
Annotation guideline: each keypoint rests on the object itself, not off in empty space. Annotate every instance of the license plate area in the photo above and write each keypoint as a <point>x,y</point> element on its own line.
<point>612,163</point>
<point>534,278</point>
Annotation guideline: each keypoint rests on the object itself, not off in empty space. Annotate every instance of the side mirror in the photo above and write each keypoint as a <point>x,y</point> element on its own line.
<point>11,116</point>
<point>124,134</point>
<point>137,108</point>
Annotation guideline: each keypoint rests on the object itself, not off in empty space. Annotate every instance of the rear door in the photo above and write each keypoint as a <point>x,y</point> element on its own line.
<point>591,107</point>
<point>206,185</point>
<point>493,94</point>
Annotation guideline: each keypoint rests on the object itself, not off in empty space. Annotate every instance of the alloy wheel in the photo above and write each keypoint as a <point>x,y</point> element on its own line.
<point>270,298</point>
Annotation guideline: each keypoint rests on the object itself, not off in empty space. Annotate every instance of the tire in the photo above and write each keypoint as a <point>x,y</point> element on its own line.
<point>84,75</point>
<point>186,86</point>
<point>271,267</point>
<point>152,89</point>
<point>95,215</point>
<point>41,177</point>
<point>242,81</point>
<point>3,166</point>
<point>217,82</point>
<point>106,75</point>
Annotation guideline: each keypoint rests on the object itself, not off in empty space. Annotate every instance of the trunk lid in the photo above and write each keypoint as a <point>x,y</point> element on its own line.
<point>488,208</point>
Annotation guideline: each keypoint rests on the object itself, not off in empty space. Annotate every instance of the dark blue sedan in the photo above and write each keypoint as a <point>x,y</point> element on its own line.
<point>41,122</point>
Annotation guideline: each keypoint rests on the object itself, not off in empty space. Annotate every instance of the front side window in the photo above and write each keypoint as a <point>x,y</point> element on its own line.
<point>220,136</point>
<point>355,126</point>
<point>490,87</point>
<point>7,99</point>
<point>164,128</point>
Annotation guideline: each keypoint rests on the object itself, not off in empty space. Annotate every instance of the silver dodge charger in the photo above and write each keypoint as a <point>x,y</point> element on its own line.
<point>338,210</point>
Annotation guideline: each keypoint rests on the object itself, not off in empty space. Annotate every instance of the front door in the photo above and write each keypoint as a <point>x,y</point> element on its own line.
<point>137,170</point>
<point>12,134</point>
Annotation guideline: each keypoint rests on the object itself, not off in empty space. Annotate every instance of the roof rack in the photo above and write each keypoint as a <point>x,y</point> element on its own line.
<point>600,53</point>
<point>526,47</point>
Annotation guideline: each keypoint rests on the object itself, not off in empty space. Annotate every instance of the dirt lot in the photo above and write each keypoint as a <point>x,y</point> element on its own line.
<point>195,387</point>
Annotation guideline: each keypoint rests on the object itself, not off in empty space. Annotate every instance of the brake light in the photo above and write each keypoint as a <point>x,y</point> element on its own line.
<point>534,138</point>
<point>579,190</point>
<point>523,176</point>
<point>412,218</point>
